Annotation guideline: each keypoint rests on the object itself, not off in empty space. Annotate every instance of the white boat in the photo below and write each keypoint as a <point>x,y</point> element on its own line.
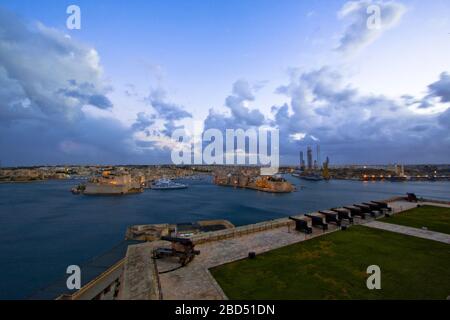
<point>166,184</point>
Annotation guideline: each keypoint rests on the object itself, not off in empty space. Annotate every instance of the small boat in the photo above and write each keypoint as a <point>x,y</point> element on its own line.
<point>166,184</point>
<point>308,176</point>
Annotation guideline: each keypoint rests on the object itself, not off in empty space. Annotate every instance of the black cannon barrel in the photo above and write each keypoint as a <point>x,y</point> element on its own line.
<point>353,209</point>
<point>318,221</point>
<point>301,225</point>
<point>356,211</point>
<point>344,214</point>
<point>383,205</point>
<point>372,206</point>
<point>331,216</point>
<point>364,208</point>
<point>328,212</point>
<point>341,210</point>
<point>411,197</point>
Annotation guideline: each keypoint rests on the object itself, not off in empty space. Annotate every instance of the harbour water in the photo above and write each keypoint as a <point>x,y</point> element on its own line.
<point>44,228</point>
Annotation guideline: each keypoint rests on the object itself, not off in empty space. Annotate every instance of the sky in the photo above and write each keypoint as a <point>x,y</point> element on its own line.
<point>114,91</point>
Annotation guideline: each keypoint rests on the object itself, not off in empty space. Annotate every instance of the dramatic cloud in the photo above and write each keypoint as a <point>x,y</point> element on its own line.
<point>349,125</point>
<point>438,92</point>
<point>46,80</point>
<point>441,88</point>
<point>152,132</point>
<point>168,112</point>
<point>237,103</point>
<point>44,73</point>
<point>358,35</point>
<point>143,121</point>
<point>86,94</point>
<point>54,107</point>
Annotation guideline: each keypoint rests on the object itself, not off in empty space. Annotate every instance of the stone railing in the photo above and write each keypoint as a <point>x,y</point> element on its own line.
<point>241,231</point>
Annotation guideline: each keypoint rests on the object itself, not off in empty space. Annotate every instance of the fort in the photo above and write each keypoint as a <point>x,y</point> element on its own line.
<point>159,261</point>
<point>251,179</point>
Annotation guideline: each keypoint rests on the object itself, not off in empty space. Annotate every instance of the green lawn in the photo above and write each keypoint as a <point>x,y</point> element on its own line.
<point>434,218</point>
<point>334,267</point>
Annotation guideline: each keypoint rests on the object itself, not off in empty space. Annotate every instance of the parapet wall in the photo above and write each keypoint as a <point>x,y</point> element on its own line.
<point>240,231</point>
<point>140,275</point>
<point>266,225</point>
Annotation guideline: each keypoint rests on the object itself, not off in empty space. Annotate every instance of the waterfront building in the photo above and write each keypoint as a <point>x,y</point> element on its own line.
<point>113,183</point>
<point>310,158</point>
<point>302,161</point>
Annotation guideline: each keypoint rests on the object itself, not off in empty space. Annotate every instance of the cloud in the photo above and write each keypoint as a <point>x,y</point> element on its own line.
<point>166,110</point>
<point>358,35</point>
<point>438,92</point>
<point>441,88</point>
<point>152,132</point>
<point>444,121</point>
<point>237,103</point>
<point>143,121</point>
<point>350,125</point>
<point>46,80</point>
<point>169,113</point>
<point>86,94</point>
<point>44,73</point>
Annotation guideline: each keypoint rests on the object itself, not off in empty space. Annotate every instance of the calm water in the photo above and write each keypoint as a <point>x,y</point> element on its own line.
<point>44,228</point>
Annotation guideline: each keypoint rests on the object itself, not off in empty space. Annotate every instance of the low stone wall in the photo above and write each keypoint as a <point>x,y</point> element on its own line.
<point>140,276</point>
<point>94,189</point>
<point>240,231</point>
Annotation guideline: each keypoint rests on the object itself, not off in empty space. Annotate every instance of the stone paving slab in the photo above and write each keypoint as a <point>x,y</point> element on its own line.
<point>419,233</point>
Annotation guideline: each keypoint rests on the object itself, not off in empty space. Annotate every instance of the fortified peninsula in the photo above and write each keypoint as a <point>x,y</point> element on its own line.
<point>250,179</point>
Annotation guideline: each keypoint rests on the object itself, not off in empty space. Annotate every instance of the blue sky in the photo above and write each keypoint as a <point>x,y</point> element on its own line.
<point>113,91</point>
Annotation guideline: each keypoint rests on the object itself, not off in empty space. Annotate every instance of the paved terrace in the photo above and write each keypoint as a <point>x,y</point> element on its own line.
<point>217,248</point>
<point>195,282</point>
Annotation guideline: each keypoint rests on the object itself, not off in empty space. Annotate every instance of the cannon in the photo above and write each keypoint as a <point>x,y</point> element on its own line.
<point>355,211</point>
<point>373,205</point>
<point>384,208</point>
<point>411,197</point>
<point>182,248</point>
<point>375,208</point>
<point>318,220</point>
<point>365,208</point>
<point>303,224</point>
<point>331,217</point>
<point>383,205</point>
<point>344,214</point>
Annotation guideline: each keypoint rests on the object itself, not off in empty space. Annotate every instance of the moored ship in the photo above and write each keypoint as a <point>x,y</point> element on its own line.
<point>312,177</point>
<point>166,184</point>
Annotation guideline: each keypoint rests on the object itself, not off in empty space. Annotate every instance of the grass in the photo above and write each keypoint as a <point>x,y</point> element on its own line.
<point>434,218</point>
<point>334,267</point>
